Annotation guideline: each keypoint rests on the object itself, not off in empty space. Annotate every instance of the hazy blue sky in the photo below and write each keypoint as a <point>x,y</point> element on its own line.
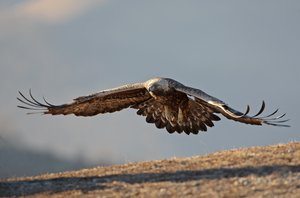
<point>242,52</point>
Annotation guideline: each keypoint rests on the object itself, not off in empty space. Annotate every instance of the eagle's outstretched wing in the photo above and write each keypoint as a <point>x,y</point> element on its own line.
<point>105,101</point>
<point>219,106</point>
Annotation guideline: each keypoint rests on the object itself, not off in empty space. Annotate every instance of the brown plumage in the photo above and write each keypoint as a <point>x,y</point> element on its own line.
<point>165,102</point>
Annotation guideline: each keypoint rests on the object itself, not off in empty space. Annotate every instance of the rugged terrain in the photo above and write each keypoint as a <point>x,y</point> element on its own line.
<point>271,171</point>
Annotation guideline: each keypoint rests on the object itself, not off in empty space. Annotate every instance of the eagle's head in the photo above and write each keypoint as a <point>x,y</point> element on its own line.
<point>158,86</point>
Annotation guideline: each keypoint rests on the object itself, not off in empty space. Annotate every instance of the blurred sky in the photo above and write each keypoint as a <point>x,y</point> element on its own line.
<point>242,52</point>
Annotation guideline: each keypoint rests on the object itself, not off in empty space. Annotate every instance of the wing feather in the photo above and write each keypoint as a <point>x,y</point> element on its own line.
<point>215,105</point>
<point>105,101</point>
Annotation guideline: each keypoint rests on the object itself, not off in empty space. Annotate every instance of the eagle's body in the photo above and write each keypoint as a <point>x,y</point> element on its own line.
<point>164,101</point>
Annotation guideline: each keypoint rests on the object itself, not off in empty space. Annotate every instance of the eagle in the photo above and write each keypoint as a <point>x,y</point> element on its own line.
<point>165,102</point>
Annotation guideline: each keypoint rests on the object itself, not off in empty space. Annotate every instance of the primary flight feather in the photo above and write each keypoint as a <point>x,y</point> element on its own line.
<point>164,101</point>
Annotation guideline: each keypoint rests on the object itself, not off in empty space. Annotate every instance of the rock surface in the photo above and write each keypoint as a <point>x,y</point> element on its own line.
<point>271,171</point>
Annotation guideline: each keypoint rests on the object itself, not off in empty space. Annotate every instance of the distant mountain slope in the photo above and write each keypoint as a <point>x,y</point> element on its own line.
<point>271,171</point>
<point>17,161</point>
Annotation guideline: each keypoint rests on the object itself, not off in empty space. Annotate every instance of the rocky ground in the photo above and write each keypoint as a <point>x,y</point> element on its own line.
<point>271,171</point>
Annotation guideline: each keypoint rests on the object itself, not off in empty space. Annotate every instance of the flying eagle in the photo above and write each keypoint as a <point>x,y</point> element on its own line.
<point>164,101</point>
